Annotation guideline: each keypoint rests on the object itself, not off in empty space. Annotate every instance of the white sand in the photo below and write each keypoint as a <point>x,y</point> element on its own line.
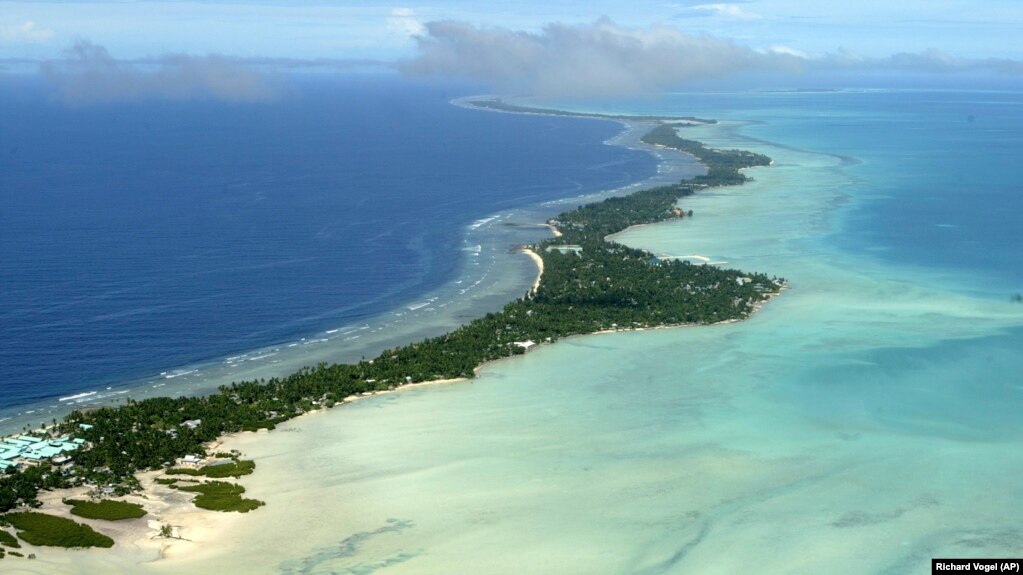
<point>539,268</point>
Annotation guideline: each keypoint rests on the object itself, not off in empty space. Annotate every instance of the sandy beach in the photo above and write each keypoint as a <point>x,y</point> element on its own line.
<point>539,268</point>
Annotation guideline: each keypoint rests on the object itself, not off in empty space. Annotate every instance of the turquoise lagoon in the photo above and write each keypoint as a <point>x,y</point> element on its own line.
<point>865,421</point>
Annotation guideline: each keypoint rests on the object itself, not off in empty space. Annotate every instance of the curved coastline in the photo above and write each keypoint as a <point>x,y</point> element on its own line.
<point>149,491</point>
<point>332,345</point>
<point>476,291</point>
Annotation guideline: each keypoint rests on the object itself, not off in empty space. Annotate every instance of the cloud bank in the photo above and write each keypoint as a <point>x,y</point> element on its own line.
<point>604,59</point>
<point>89,75</point>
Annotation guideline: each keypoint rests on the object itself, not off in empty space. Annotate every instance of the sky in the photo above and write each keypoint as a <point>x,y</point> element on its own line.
<point>535,46</point>
<point>356,29</point>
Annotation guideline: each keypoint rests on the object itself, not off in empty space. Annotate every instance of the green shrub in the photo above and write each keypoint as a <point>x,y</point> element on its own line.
<point>8,539</point>
<point>107,509</point>
<point>221,496</point>
<point>234,469</point>
<point>43,529</point>
<point>180,471</point>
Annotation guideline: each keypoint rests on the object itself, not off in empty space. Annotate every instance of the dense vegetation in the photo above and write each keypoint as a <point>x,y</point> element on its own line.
<point>234,469</point>
<point>8,540</point>
<point>108,509</point>
<point>22,487</point>
<point>220,496</point>
<point>601,285</point>
<point>43,529</point>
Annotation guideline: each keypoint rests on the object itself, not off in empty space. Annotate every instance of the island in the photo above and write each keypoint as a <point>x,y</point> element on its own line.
<point>588,284</point>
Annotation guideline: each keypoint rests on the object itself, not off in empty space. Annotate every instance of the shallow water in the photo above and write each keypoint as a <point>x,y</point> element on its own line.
<point>865,421</point>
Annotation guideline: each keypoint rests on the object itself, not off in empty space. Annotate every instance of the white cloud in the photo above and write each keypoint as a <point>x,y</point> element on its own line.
<point>605,59</point>
<point>733,11</point>
<point>403,21</point>
<point>780,49</point>
<point>596,59</point>
<point>25,33</point>
<point>90,75</point>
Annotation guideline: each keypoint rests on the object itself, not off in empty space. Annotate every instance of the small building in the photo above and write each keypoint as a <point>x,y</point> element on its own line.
<point>192,423</point>
<point>526,345</point>
<point>190,459</point>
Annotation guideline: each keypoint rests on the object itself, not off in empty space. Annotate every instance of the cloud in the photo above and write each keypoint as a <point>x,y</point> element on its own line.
<point>600,59</point>
<point>730,10</point>
<point>605,59</point>
<point>403,21</point>
<point>25,33</point>
<point>89,75</point>
<point>782,49</point>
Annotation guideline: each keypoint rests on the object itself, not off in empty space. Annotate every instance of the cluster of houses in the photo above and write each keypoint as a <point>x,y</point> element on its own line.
<point>27,449</point>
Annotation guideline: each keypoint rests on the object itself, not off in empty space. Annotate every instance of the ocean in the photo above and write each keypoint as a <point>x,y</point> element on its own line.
<point>865,421</point>
<point>143,241</point>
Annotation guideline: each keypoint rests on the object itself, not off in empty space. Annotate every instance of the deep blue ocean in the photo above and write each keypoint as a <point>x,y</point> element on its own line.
<point>141,237</point>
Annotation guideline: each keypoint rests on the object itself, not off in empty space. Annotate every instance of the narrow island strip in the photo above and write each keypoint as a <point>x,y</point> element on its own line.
<point>586,284</point>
